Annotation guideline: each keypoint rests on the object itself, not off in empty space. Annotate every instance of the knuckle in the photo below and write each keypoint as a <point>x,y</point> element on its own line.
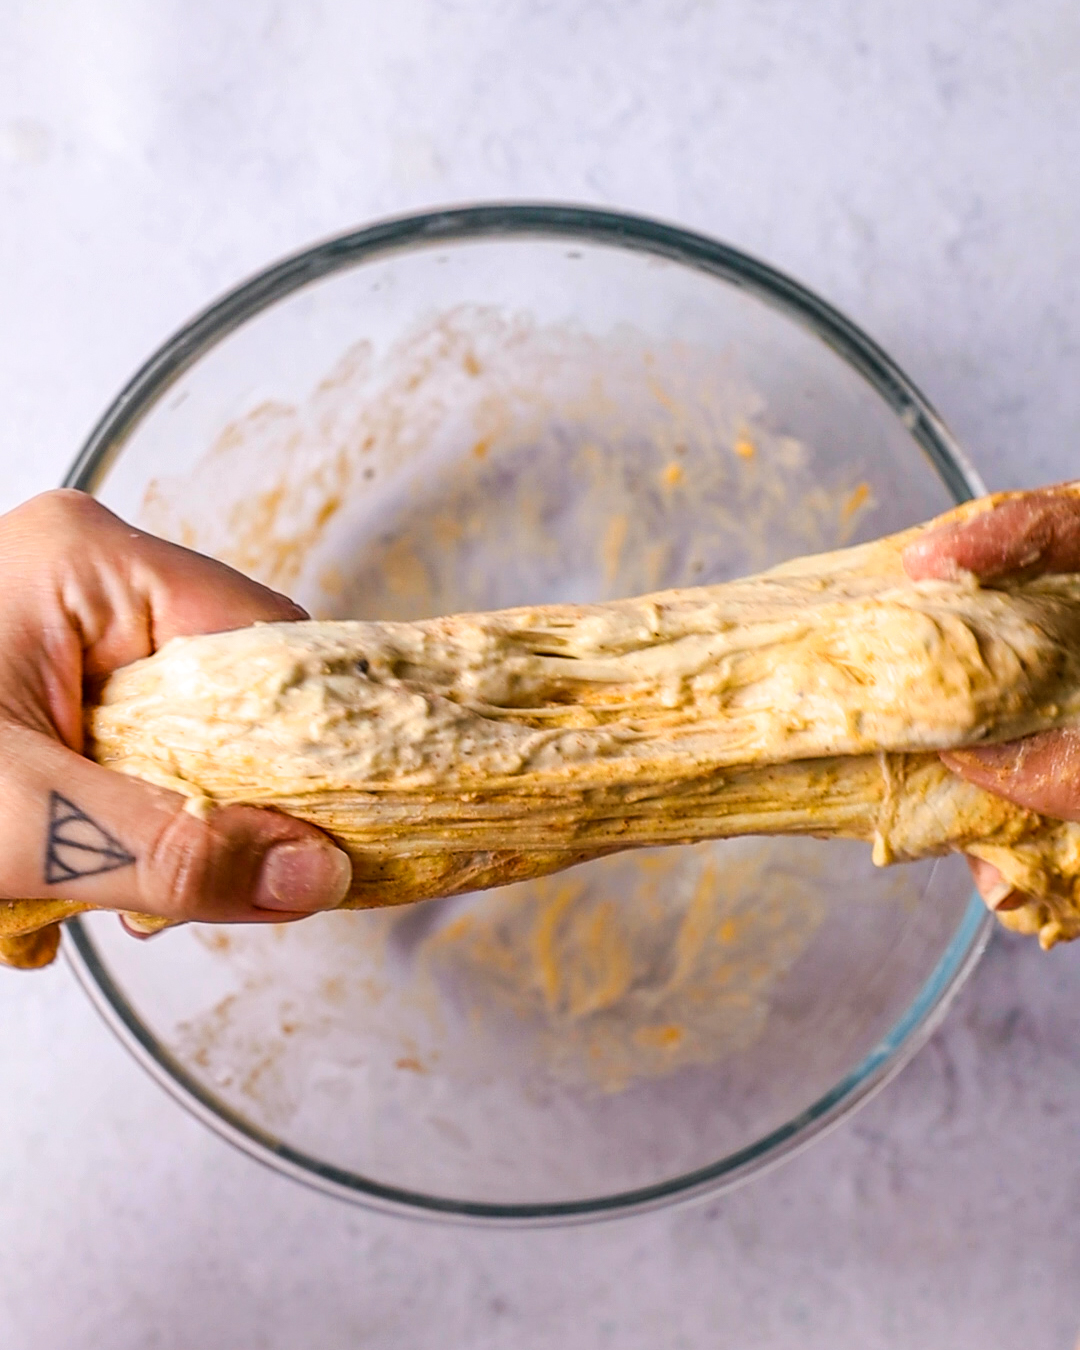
<point>179,866</point>
<point>63,506</point>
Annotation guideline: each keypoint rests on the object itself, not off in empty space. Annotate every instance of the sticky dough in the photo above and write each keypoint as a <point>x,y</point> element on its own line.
<point>479,749</point>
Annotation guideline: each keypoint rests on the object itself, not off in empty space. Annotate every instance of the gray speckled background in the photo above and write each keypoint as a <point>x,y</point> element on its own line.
<point>920,165</point>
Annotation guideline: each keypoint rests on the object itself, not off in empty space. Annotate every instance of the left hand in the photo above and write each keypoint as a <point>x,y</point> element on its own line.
<point>81,594</point>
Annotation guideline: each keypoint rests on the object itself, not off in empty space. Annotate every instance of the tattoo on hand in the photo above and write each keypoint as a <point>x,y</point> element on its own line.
<point>77,846</point>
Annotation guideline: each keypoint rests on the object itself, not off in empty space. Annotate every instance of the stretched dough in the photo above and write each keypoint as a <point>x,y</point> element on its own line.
<point>474,750</point>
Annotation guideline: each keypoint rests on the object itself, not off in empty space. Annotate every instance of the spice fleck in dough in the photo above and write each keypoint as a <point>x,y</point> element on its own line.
<point>465,752</point>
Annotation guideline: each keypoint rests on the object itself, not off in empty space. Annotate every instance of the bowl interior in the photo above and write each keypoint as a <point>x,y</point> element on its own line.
<point>473,423</point>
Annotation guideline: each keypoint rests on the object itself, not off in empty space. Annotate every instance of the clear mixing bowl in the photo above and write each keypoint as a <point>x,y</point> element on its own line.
<point>505,405</point>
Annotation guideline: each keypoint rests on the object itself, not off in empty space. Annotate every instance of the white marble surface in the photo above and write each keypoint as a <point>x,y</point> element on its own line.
<point>917,163</point>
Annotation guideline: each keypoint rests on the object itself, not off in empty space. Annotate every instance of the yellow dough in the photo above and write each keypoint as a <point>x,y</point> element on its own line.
<point>471,751</point>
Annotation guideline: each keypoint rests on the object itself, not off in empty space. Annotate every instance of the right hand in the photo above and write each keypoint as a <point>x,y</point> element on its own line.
<point>1026,535</point>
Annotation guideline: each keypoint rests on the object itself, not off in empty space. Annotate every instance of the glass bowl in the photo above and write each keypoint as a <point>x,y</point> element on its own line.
<point>504,405</point>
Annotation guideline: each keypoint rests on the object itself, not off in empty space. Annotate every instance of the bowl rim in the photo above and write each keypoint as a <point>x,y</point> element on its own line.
<point>635,233</point>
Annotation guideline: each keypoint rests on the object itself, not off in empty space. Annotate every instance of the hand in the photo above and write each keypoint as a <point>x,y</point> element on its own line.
<point>1026,534</point>
<point>83,594</point>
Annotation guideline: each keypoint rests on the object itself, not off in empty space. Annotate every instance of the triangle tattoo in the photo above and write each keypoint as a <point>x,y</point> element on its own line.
<point>77,846</point>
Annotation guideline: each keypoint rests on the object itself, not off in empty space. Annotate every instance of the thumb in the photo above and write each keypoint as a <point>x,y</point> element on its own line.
<point>1040,772</point>
<point>1031,532</point>
<point>78,832</point>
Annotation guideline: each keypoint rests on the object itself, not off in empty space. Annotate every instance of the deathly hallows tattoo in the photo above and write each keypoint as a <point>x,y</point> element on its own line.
<point>77,846</point>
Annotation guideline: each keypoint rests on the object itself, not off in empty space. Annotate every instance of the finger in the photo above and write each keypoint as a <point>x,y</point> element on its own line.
<point>190,593</point>
<point>992,886</point>
<point>95,594</point>
<point>1032,532</point>
<point>122,591</point>
<point>1041,772</point>
<point>78,832</point>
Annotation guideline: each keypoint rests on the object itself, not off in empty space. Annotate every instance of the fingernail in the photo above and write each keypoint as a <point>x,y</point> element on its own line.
<point>994,756</point>
<point>1002,896</point>
<point>998,758</point>
<point>137,933</point>
<point>303,876</point>
<point>927,558</point>
<point>925,544</point>
<point>143,927</point>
